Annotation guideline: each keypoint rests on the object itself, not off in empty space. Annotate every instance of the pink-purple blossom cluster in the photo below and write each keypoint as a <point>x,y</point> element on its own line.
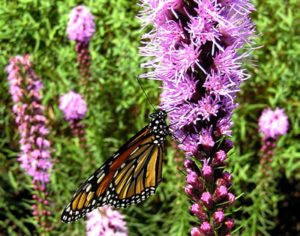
<point>35,158</point>
<point>273,123</point>
<point>25,90</point>
<point>105,221</point>
<point>193,49</point>
<point>73,106</point>
<point>81,26</point>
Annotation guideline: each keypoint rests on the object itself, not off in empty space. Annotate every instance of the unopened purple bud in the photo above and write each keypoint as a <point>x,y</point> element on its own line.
<point>196,231</point>
<point>221,181</point>
<point>218,218</point>
<point>206,199</point>
<point>227,176</point>
<point>190,166</point>
<point>229,224</point>
<point>271,153</point>
<point>198,211</point>
<point>190,191</point>
<point>220,193</point>
<point>230,198</point>
<point>192,178</point>
<point>219,158</point>
<point>227,145</point>
<point>207,172</point>
<point>207,229</point>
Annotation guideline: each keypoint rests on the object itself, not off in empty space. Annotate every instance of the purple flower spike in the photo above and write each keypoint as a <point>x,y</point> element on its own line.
<point>74,108</point>
<point>105,221</point>
<point>35,158</point>
<point>81,26</point>
<point>25,90</point>
<point>273,123</point>
<point>194,49</point>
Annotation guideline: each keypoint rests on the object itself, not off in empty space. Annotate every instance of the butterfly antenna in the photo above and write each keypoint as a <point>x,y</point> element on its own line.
<point>145,93</point>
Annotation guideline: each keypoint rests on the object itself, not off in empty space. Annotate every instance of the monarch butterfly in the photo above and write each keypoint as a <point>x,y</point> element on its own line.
<point>129,177</point>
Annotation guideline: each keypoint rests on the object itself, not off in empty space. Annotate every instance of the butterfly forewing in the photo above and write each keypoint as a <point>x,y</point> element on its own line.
<point>129,177</point>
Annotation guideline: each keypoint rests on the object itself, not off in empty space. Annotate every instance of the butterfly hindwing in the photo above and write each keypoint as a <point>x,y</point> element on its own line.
<point>129,177</point>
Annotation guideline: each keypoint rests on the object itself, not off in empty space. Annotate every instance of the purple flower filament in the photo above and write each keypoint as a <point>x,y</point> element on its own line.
<point>35,148</point>
<point>193,51</point>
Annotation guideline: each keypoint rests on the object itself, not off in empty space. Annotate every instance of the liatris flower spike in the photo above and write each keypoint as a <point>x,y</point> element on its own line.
<point>193,49</point>
<point>81,28</point>
<point>35,148</point>
<point>271,125</point>
<point>105,221</point>
<point>74,108</point>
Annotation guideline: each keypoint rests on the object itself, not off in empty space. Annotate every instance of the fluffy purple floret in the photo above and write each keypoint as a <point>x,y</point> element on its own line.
<point>81,26</point>
<point>73,106</point>
<point>273,123</point>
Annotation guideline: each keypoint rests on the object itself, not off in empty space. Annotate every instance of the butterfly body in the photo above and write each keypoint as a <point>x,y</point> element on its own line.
<point>129,177</point>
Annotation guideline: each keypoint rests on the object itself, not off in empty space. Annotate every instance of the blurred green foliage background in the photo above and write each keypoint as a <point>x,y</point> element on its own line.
<point>118,109</point>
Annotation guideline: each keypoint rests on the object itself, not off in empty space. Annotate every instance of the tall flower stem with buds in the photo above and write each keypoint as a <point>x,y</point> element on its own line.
<point>81,28</point>
<point>271,125</point>
<point>74,108</point>
<point>193,49</point>
<point>35,148</point>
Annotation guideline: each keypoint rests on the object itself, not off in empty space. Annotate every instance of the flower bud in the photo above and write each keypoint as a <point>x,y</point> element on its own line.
<point>206,199</point>
<point>198,211</point>
<point>229,224</point>
<point>221,181</point>
<point>193,179</point>
<point>207,172</point>
<point>190,191</point>
<point>220,193</point>
<point>196,231</point>
<point>207,229</point>
<point>219,158</point>
<point>190,166</point>
<point>218,218</point>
